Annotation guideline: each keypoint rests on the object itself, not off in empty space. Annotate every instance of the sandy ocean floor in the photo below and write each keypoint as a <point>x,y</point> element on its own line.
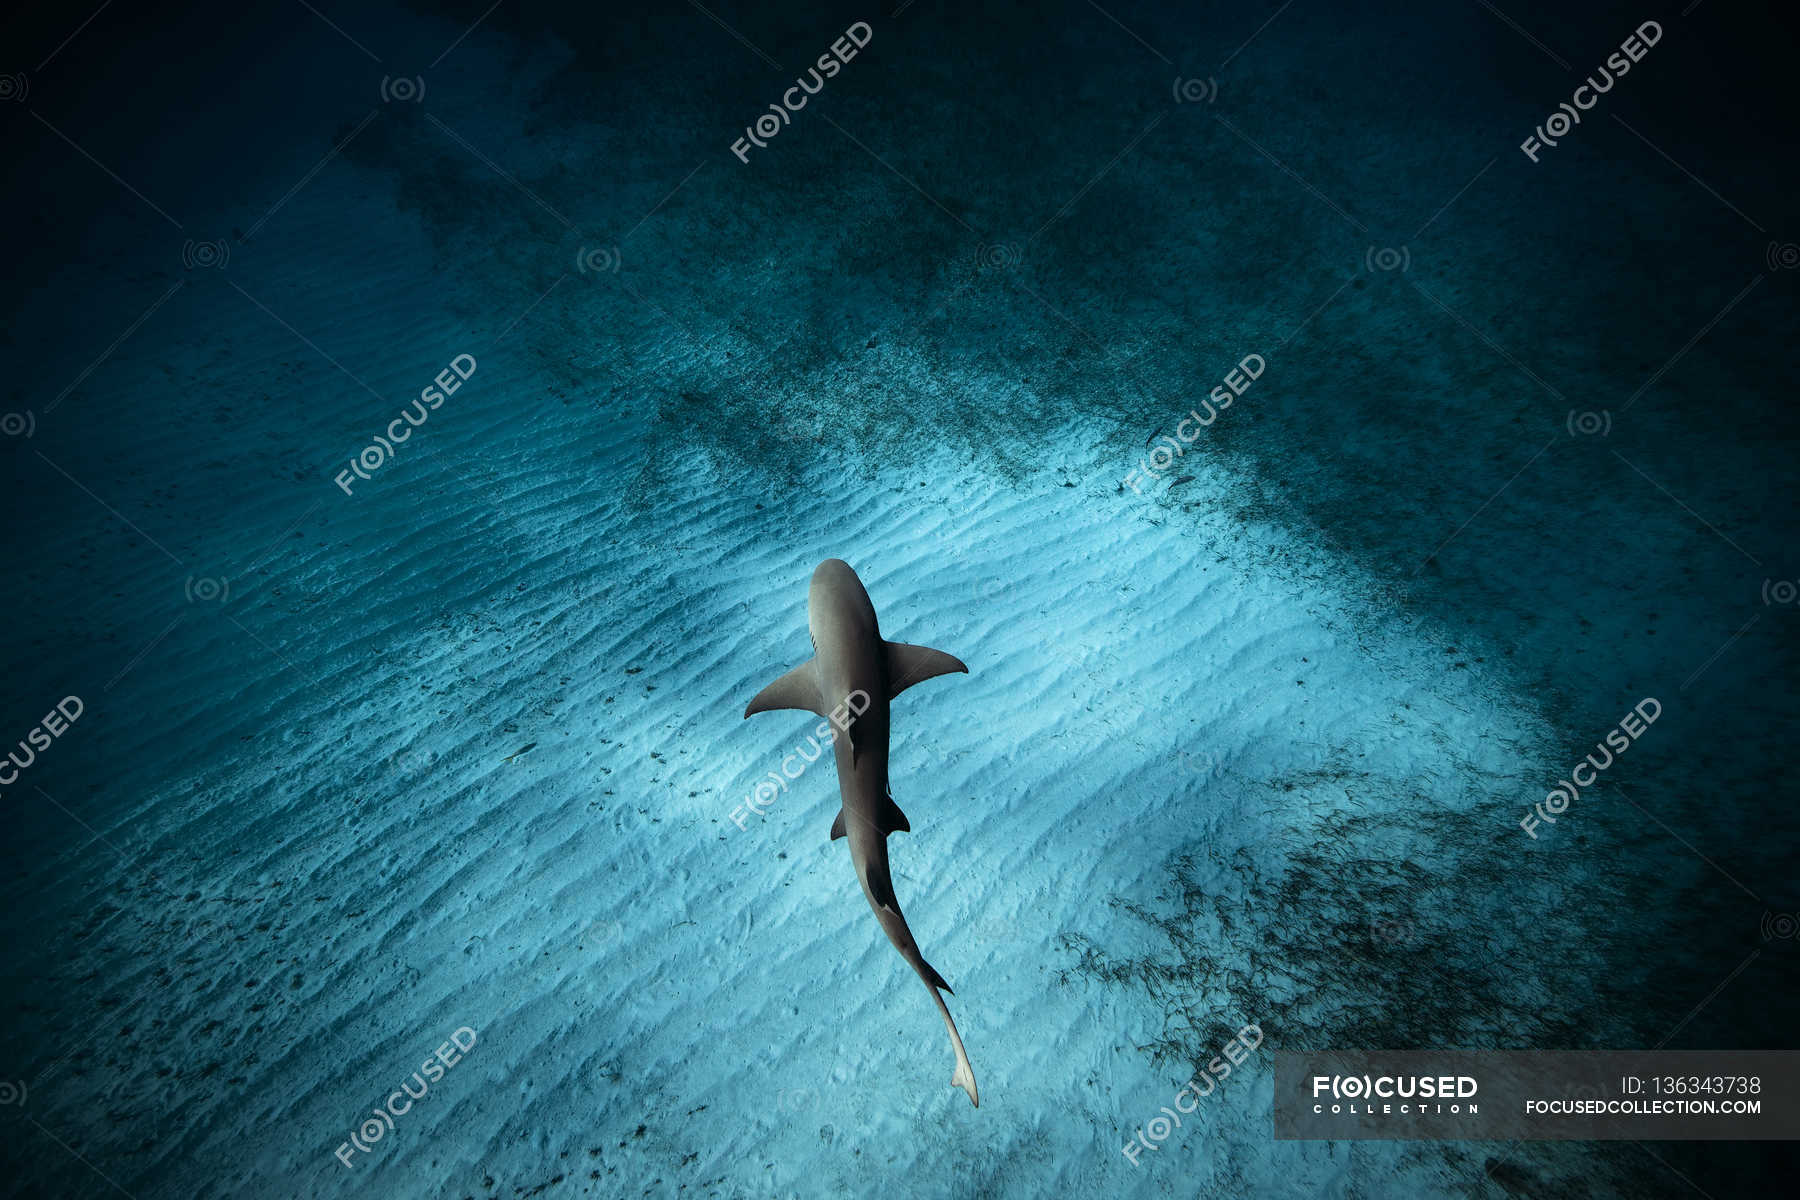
<point>298,928</point>
<point>460,750</point>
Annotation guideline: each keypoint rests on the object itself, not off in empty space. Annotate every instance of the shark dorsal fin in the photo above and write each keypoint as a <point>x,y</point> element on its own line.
<point>799,688</point>
<point>907,665</point>
<point>837,826</point>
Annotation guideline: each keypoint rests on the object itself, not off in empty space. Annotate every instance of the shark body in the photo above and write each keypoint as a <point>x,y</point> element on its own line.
<point>850,679</point>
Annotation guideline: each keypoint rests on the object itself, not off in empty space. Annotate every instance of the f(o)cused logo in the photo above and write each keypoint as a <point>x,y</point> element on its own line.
<point>998,257</point>
<point>996,931</point>
<point>1392,930</point>
<point>794,429</point>
<point>1780,591</point>
<point>204,255</point>
<point>12,1093</point>
<point>208,589</point>
<point>603,933</point>
<point>988,589</point>
<point>1783,256</point>
<point>408,760</point>
<point>1399,595</point>
<point>601,260</point>
<point>19,424</point>
<point>1388,258</point>
<point>14,87</point>
<point>404,89</point>
<point>1199,764</point>
<point>1590,424</point>
<point>374,455</point>
<point>1196,91</point>
<point>1780,927</point>
<point>793,1100</point>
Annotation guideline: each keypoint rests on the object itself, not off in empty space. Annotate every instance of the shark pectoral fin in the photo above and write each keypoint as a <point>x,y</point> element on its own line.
<point>907,665</point>
<point>890,819</point>
<point>799,688</point>
<point>837,826</point>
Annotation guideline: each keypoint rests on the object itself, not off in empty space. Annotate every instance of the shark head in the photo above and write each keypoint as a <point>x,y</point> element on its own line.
<point>838,606</point>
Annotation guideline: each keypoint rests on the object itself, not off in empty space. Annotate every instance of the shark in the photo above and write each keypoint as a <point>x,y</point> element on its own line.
<point>853,675</point>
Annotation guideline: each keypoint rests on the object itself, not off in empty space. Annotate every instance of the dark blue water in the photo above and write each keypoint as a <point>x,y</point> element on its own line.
<point>1525,438</point>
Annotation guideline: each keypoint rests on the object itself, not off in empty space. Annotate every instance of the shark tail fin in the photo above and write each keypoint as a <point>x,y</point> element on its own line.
<point>964,1077</point>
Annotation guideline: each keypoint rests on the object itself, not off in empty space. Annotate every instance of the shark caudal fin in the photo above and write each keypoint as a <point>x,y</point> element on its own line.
<point>964,1077</point>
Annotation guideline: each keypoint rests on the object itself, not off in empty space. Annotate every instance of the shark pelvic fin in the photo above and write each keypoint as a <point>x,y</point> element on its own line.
<point>799,688</point>
<point>890,819</point>
<point>907,665</point>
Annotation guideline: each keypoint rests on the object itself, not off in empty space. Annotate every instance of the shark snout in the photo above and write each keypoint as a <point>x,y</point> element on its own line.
<point>829,576</point>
